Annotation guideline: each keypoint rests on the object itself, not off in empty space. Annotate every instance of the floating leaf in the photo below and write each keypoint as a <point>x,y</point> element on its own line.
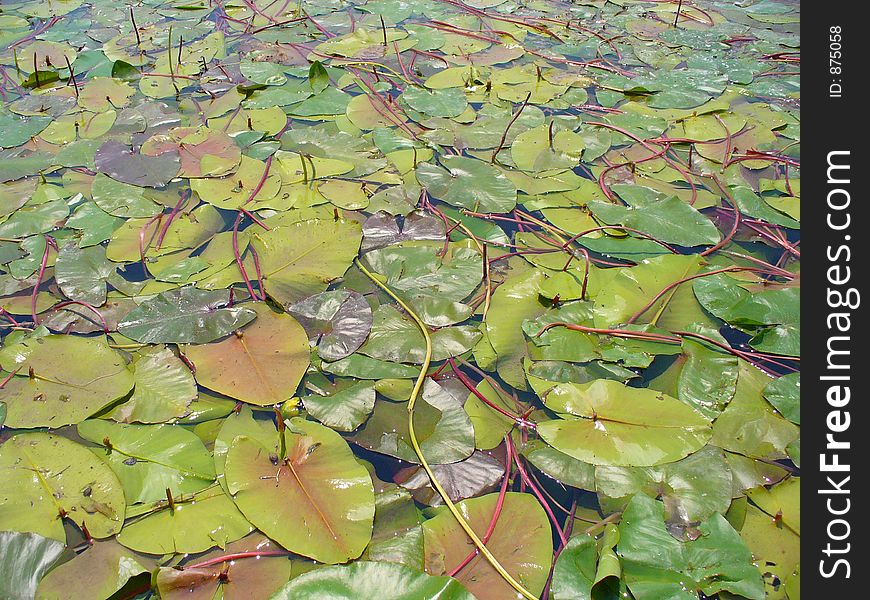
<point>397,536</point>
<point>261,363</point>
<point>784,394</point>
<point>163,390</point>
<point>521,542</point>
<point>692,489</point>
<point>587,568</point>
<point>477,474</point>
<point>444,431</point>
<point>340,320</point>
<point>541,150</point>
<point>82,273</point>
<point>108,565</point>
<point>449,102</point>
<point>364,579</point>
<point>15,130</point>
<point>121,163</point>
<point>150,459</point>
<point>46,477</point>
<point>318,482</point>
<point>185,316</point>
<point>346,409</point>
<point>259,577</point>
<point>658,566</point>
<point>203,152</point>
<point>104,93</point>
<point>749,425</point>
<point>194,524</point>
<point>303,258</point>
<point>670,220</point>
<point>618,425</point>
<point>72,378</point>
<point>469,183</point>
<point>233,191</point>
<point>24,560</point>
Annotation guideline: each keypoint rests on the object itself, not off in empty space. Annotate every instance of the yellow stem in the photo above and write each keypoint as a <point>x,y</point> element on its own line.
<point>418,385</point>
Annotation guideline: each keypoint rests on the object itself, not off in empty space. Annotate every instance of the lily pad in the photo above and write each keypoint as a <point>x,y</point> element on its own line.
<point>339,320</point>
<point>303,258</point>
<point>658,566</point>
<point>109,567</point>
<point>364,579</point>
<point>185,316</point>
<point>317,482</point>
<point>163,390</point>
<point>123,164</point>
<point>194,524</point>
<point>261,363</point>
<point>608,423</point>
<point>46,477</point>
<point>520,541</point>
<point>24,560</point>
<point>62,380</point>
<point>469,183</point>
<point>148,460</point>
<point>260,576</point>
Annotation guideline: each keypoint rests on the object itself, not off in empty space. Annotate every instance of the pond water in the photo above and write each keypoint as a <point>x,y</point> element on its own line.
<point>297,295</point>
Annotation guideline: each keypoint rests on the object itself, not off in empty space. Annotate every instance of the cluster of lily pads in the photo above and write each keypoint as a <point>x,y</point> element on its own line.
<point>399,299</point>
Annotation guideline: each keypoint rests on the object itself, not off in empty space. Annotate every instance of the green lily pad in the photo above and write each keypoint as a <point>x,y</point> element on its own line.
<point>82,273</point>
<point>749,425</point>
<point>195,524</point>
<point>443,429</point>
<point>47,476</point>
<point>72,378</point>
<point>784,394</point>
<point>149,459</point>
<point>658,566</point>
<point>365,579</point>
<point>346,409</point>
<point>303,258</point>
<point>15,130</point>
<point>185,316</point>
<point>397,536</point>
<point>608,423</point>
<point>587,568</point>
<point>24,560</point>
<point>692,489</point>
<point>448,102</point>
<point>469,183</point>
<point>163,390</point>
<point>318,482</point>
<point>670,220</point>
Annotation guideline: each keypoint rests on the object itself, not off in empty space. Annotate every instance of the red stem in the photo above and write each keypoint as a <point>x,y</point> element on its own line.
<point>5,313</point>
<point>235,556</point>
<point>49,243</point>
<point>238,256</point>
<point>670,286</point>
<point>473,389</point>
<point>89,307</point>
<point>9,377</point>
<point>528,481</point>
<point>502,493</point>
<point>184,196</point>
